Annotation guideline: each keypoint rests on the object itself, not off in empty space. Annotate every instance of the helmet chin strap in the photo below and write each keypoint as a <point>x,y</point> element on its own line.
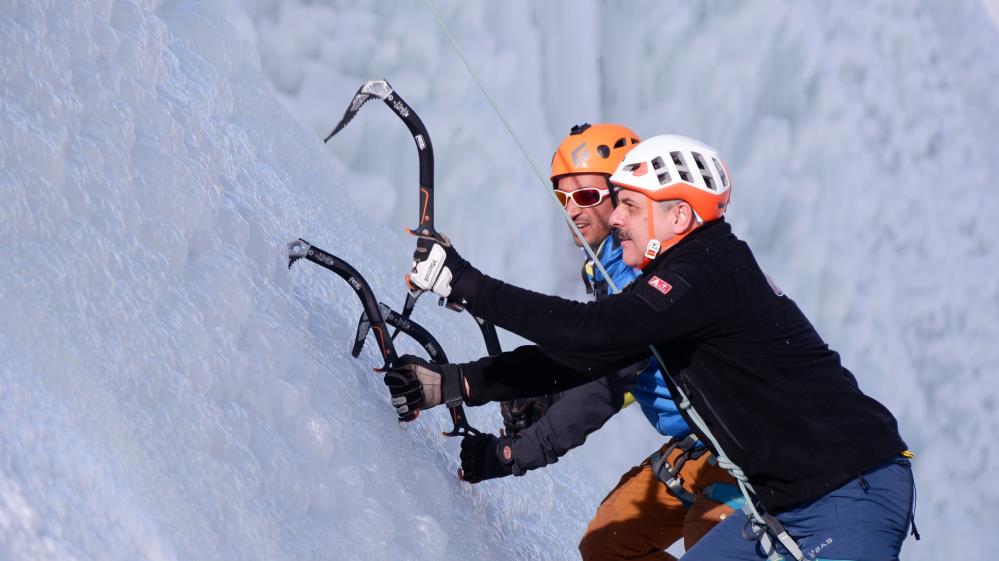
<point>655,245</point>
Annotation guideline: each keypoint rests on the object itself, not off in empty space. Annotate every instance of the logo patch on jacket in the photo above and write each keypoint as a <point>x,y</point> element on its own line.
<point>660,285</point>
<point>660,293</point>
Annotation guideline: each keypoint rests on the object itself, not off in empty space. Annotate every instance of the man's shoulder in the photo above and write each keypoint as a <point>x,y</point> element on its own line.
<point>662,286</point>
<point>692,263</point>
<point>711,255</point>
<point>697,268</point>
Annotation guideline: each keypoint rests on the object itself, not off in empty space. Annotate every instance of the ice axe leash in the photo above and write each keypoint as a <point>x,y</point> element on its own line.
<point>377,317</point>
<point>381,89</point>
<point>762,522</point>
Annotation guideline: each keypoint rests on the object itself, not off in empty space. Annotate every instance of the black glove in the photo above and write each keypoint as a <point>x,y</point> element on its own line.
<point>485,456</point>
<point>415,384</point>
<point>436,266</point>
<point>522,413</point>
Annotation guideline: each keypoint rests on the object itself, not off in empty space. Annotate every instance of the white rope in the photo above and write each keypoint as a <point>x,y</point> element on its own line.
<point>545,183</point>
<point>723,459</point>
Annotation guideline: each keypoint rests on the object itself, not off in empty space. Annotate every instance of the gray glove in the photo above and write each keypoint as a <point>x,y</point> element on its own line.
<point>415,384</point>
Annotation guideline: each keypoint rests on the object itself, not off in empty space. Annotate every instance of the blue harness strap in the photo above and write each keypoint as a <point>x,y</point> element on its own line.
<point>726,494</point>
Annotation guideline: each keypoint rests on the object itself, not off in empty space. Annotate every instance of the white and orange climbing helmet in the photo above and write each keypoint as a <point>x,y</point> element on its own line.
<point>675,168</point>
<point>671,168</point>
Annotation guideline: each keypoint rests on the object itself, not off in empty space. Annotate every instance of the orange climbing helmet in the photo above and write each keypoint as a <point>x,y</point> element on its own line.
<point>590,148</point>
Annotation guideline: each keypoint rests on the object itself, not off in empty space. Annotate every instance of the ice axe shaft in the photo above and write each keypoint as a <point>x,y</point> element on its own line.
<point>301,249</point>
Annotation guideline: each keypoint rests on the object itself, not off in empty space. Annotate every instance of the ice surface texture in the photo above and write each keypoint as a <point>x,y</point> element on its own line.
<point>168,390</point>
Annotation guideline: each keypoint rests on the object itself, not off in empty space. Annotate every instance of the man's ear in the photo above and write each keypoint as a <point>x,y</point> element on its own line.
<point>684,216</point>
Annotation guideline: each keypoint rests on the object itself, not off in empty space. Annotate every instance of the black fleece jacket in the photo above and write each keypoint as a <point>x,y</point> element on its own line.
<point>775,396</point>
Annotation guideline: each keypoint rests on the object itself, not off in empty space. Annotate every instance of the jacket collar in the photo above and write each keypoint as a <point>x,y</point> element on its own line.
<point>714,230</point>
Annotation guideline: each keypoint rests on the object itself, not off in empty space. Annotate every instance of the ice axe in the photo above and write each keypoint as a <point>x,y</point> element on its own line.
<point>376,316</point>
<point>381,89</point>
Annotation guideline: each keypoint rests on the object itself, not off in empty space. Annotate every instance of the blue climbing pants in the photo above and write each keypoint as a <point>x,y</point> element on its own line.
<point>865,519</point>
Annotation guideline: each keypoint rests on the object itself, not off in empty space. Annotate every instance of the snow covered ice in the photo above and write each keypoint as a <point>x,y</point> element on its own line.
<point>169,390</point>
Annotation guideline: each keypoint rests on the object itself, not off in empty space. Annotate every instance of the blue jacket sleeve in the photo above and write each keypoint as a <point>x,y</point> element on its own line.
<point>575,414</point>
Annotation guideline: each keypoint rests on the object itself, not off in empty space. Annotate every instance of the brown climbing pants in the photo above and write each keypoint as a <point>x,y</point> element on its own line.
<point>640,518</point>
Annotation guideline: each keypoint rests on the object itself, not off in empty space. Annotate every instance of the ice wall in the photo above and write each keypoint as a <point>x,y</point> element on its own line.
<point>861,137</point>
<point>168,390</point>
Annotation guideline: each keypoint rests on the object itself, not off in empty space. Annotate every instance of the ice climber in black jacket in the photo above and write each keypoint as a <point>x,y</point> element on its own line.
<point>824,463</point>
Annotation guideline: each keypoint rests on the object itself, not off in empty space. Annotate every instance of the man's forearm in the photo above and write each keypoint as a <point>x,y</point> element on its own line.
<point>609,333</point>
<point>523,372</point>
<point>577,413</point>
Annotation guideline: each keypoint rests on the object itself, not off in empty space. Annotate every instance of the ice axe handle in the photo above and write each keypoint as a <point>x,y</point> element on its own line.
<point>426,227</point>
<point>461,426</point>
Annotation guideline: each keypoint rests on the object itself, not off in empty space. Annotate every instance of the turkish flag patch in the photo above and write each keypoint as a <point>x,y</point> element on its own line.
<point>660,285</point>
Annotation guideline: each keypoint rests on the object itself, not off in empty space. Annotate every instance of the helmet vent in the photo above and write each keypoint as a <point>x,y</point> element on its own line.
<point>603,150</point>
<point>620,143</point>
<point>681,167</point>
<point>662,172</point>
<point>699,160</point>
<point>702,167</point>
<point>721,172</point>
<point>634,141</point>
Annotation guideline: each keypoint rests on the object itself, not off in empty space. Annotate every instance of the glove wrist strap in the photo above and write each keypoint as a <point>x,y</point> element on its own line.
<point>451,385</point>
<point>511,462</point>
